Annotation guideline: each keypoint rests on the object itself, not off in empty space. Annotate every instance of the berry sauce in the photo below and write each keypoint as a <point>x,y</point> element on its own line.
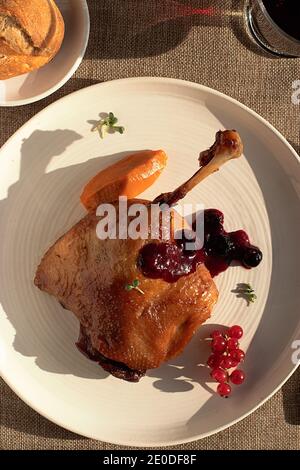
<point>170,261</point>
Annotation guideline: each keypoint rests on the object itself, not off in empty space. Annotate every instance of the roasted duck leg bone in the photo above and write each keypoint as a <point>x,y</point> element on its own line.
<point>228,145</point>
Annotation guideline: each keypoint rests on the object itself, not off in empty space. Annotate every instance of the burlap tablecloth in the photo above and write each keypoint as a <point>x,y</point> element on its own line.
<point>160,38</point>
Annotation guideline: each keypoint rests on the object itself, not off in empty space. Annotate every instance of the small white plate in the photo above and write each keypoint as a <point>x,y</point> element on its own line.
<point>34,86</point>
<point>43,168</point>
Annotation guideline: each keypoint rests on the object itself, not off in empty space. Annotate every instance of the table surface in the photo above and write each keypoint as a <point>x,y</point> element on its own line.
<point>170,38</point>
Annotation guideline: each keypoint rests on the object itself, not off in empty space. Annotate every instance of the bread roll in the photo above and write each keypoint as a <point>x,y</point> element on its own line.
<point>31,33</point>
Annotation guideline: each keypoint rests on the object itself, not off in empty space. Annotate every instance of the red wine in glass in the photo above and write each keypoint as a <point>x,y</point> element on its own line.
<point>286,14</point>
<point>275,25</point>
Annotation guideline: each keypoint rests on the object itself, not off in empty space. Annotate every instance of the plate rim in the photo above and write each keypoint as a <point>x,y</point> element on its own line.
<point>235,102</point>
<point>86,35</point>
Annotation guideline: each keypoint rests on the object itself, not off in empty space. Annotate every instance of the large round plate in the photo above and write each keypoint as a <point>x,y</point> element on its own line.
<point>42,170</point>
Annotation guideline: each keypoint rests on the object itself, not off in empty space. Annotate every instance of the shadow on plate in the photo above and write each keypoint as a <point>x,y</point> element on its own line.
<point>17,118</point>
<point>179,375</point>
<point>188,370</point>
<point>17,292</point>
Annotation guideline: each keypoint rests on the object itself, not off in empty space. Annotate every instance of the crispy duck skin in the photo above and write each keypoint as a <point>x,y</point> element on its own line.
<point>88,277</point>
<point>119,370</point>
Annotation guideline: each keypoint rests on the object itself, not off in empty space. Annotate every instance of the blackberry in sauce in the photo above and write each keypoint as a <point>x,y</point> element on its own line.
<point>170,260</point>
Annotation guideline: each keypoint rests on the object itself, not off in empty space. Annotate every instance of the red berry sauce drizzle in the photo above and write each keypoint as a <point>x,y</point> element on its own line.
<point>170,261</point>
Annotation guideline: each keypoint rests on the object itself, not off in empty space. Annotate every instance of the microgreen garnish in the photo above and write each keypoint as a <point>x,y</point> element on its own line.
<point>245,291</point>
<point>108,124</point>
<point>134,286</point>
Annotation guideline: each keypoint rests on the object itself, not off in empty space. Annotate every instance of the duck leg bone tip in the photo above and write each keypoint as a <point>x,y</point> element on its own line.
<point>228,145</point>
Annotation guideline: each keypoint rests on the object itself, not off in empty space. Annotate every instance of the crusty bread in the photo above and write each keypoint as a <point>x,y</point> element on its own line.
<point>31,34</point>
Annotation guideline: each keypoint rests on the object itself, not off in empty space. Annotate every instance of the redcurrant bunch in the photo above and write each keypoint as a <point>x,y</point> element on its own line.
<point>226,354</point>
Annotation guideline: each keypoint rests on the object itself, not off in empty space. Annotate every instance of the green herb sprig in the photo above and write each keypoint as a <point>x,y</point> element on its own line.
<point>245,291</point>
<point>134,286</point>
<point>108,124</point>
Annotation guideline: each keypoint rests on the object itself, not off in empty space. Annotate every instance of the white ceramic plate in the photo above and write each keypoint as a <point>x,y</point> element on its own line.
<point>42,170</point>
<point>43,82</point>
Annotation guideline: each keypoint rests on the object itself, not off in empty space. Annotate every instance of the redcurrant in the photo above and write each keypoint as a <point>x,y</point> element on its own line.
<point>215,334</point>
<point>214,361</point>
<point>219,375</point>
<point>227,362</point>
<point>237,355</point>
<point>235,331</point>
<point>218,344</point>
<point>224,390</point>
<point>237,377</point>
<point>232,343</point>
